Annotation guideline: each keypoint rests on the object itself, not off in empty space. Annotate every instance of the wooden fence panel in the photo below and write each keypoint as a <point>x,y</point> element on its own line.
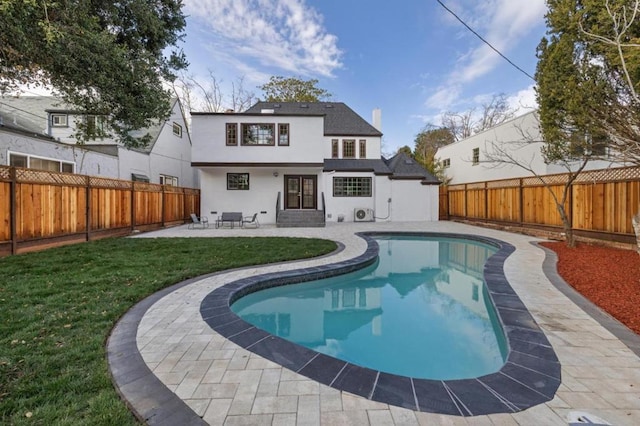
<point>476,203</point>
<point>503,204</point>
<point>5,211</point>
<point>51,208</point>
<point>457,203</point>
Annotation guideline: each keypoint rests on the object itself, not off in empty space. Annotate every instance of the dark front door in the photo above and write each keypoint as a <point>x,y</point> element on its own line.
<point>301,192</point>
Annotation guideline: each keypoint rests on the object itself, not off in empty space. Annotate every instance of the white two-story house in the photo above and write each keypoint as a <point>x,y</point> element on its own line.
<point>38,132</point>
<point>301,164</point>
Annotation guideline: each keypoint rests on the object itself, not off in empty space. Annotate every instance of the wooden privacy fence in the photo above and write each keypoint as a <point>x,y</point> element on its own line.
<point>600,203</point>
<point>40,209</point>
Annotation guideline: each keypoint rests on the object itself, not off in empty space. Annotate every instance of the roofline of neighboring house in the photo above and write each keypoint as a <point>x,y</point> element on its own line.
<point>257,114</point>
<point>355,134</point>
<point>27,133</point>
<point>353,170</point>
<point>213,164</point>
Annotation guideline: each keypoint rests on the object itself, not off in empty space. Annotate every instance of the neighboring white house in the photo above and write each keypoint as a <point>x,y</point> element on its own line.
<point>36,132</point>
<point>302,158</point>
<point>467,160</point>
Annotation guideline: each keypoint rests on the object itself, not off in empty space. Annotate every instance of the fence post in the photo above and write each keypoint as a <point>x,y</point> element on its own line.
<point>12,211</point>
<point>88,208</point>
<point>521,195</point>
<point>133,206</point>
<point>486,201</point>
<point>465,202</point>
<point>162,211</point>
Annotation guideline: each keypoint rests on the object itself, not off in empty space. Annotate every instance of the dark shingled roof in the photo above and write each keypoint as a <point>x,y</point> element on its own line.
<point>340,120</point>
<point>378,167</point>
<point>404,167</point>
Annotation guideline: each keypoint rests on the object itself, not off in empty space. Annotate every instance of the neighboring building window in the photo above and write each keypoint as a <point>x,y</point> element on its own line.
<point>335,148</point>
<point>352,187</point>
<point>95,125</point>
<point>232,134</point>
<point>446,162</point>
<point>258,134</point>
<point>348,148</point>
<point>363,148</point>
<point>283,134</point>
<point>237,181</point>
<point>40,163</point>
<point>476,155</point>
<point>59,120</point>
<point>137,177</point>
<point>177,130</point>
<point>168,180</point>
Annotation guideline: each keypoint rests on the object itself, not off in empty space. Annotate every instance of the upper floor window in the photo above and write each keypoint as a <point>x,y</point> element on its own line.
<point>283,134</point>
<point>232,134</point>
<point>258,134</point>
<point>363,148</point>
<point>446,162</point>
<point>40,163</point>
<point>177,130</point>
<point>348,148</point>
<point>95,126</point>
<point>59,120</point>
<point>168,180</point>
<point>335,148</point>
<point>476,156</point>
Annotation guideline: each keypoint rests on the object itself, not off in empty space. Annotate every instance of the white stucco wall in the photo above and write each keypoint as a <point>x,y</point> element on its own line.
<point>412,201</point>
<point>86,162</point>
<point>306,140</point>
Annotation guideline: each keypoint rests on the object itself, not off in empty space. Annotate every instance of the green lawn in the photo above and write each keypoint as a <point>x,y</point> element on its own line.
<point>58,306</point>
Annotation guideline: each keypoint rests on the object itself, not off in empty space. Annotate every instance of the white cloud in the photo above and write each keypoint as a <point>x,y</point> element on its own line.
<point>503,23</point>
<point>285,35</point>
<point>524,100</point>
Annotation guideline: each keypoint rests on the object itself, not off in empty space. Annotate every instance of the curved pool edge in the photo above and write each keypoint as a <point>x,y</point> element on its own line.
<point>530,376</point>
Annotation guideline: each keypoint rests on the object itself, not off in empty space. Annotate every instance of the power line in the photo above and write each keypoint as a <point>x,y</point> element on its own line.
<point>485,41</point>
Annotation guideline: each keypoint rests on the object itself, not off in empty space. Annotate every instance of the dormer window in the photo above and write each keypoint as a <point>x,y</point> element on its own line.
<point>95,125</point>
<point>59,120</point>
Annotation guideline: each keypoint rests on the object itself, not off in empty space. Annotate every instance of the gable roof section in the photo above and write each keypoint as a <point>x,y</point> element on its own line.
<point>378,167</point>
<point>404,167</point>
<point>340,120</point>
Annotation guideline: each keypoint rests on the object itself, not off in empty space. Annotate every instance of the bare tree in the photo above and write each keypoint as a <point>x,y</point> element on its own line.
<point>464,124</point>
<point>241,98</point>
<point>208,96</point>
<point>500,154</point>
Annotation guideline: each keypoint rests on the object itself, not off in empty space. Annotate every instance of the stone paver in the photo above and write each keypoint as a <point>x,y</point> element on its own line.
<point>224,384</point>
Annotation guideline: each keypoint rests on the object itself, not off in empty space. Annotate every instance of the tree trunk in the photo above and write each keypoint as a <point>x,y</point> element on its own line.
<point>636,227</point>
<point>569,238</point>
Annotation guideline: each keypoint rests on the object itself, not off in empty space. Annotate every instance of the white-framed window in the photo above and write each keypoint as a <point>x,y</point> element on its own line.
<point>177,130</point>
<point>95,126</point>
<point>446,162</point>
<point>28,161</point>
<point>476,156</point>
<point>168,180</point>
<point>59,120</point>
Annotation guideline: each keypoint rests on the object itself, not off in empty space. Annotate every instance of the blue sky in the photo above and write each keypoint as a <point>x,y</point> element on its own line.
<point>410,58</point>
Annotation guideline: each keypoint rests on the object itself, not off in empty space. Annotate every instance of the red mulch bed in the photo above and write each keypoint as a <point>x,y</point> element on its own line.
<point>609,277</point>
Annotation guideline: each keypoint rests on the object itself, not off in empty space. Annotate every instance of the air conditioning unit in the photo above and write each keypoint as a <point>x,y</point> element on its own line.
<point>363,215</point>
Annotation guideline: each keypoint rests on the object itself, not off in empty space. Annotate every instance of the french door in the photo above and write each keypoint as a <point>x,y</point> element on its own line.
<point>301,192</point>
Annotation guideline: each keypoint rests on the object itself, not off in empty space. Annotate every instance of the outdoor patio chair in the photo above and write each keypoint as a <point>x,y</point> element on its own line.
<point>198,222</point>
<point>251,221</point>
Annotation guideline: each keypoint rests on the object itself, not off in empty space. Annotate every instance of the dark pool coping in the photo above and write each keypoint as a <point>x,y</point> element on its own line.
<point>150,400</point>
<point>530,376</point>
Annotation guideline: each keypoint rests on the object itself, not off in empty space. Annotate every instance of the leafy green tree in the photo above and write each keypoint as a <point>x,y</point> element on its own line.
<point>588,77</point>
<point>290,89</point>
<point>426,145</point>
<point>104,58</point>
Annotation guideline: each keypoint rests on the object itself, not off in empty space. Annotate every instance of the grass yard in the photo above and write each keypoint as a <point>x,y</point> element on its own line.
<point>58,306</point>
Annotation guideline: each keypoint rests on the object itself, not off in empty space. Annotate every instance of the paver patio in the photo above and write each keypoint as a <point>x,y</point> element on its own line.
<point>163,349</point>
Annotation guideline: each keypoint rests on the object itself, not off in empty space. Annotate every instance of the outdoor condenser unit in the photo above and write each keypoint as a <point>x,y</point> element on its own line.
<point>363,215</point>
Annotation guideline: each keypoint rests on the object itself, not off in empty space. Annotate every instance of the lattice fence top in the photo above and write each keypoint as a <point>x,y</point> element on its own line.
<point>169,188</point>
<point>149,187</point>
<point>510,183</point>
<point>477,185</point>
<point>98,182</point>
<point>5,173</point>
<point>608,175</point>
<point>47,177</point>
<point>545,180</point>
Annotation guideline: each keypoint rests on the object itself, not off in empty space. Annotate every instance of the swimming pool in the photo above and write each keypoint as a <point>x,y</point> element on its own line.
<point>530,375</point>
<point>421,311</point>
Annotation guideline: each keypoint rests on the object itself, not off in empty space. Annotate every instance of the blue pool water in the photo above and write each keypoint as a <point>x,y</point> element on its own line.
<point>420,311</point>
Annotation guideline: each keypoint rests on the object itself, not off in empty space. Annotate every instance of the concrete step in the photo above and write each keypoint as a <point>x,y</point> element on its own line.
<point>300,219</point>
